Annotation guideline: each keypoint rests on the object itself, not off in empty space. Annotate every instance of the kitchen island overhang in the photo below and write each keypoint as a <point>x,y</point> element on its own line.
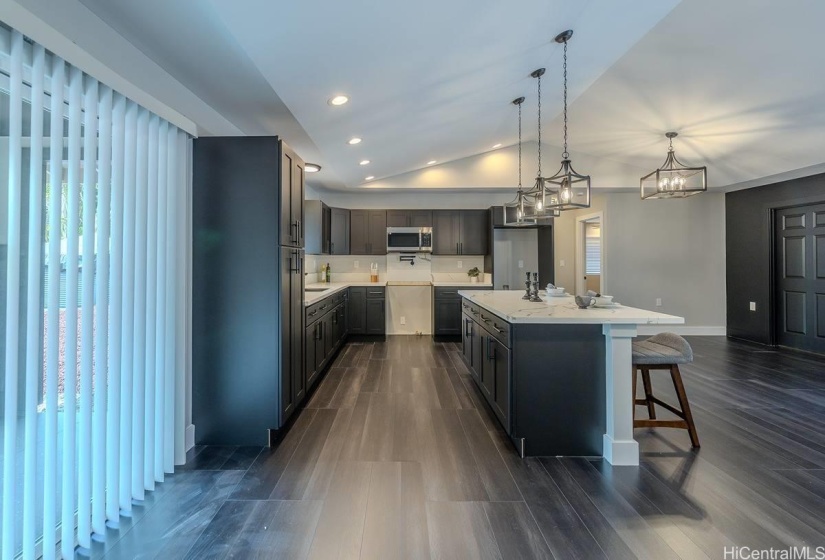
<point>558,378</point>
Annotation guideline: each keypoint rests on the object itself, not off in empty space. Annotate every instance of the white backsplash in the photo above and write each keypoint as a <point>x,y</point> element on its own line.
<point>418,270</point>
<point>390,267</point>
<point>343,267</point>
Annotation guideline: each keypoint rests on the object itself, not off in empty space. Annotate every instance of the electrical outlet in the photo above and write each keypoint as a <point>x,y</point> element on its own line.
<point>403,320</point>
<point>561,263</point>
<point>521,264</point>
<point>753,306</point>
<point>460,264</point>
<point>356,264</point>
<point>658,302</point>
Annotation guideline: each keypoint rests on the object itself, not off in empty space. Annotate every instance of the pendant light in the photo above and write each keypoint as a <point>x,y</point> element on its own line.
<point>674,179</point>
<point>567,189</point>
<point>537,195</point>
<point>522,210</point>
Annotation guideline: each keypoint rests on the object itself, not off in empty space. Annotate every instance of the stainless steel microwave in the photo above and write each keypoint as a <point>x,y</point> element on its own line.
<point>409,239</point>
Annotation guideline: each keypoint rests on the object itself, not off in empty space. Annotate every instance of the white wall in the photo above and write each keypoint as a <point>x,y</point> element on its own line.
<point>668,249</point>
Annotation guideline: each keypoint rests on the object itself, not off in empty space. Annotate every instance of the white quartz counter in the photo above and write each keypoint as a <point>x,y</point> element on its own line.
<point>463,284</point>
<point>332,288</point>
<point>509,306</point>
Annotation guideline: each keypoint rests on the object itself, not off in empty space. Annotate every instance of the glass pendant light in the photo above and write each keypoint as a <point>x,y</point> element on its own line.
<point>567,189</point>
<point>537,195</point>
<point>522,210</point>
<point>674,179</point>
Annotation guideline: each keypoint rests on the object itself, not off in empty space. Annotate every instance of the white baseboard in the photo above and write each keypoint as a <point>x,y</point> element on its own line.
<point>189,439</point>
<point>648,330</point>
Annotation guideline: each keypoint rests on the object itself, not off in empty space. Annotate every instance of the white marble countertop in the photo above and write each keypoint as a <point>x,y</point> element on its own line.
<point>334,287</point>
<point>464,284</point>
<point>509,306</point>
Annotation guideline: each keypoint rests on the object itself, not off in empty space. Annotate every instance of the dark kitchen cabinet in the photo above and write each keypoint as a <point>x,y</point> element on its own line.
<point>500,359</point>
<point>468,325</point>
<point>339,231</point>
<point>247,288</point>
<point>357,311</point>
<point>376,317</point>
<point>310,363</point>
<point>460,232</point>
<point>409,218</point>
<point>368,232</point>
<point>292,196</point>
<point>447,317</point>
<point>317,227</point>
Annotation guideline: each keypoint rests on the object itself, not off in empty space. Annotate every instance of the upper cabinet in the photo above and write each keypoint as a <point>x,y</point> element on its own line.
<point>292,197</point>
<point>368,232</point>
<point>460,232</point>
<point>318,218</point>
<point>409,218</point>
<point>339,231</point>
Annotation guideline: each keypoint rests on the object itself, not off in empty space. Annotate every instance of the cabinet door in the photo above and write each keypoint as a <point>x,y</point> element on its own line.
<point>320,344</point>
<point>326,229</point>
<point>377,232</point>
<point>339,231</point>
<point>474,232</point>
<point>359,237</point>
<point>488,364</point>
<point>478,354</point>
<point>398,218</point>
<point>342,322</point>
<point>330,333</point>
<point>357,311</point>
<point>296,329</point>
<point>310,341</point>
<point>501,382</point>
<point>447,317</point>
<point>421,218</point>
<point>376,321</point>
<point>446,232</point>
<point>292,197</point>
<point>467,339</point>
<point>288,266</point>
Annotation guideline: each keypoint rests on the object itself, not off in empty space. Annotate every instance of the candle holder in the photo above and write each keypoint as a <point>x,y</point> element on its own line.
<point>535,295</point>
<point>527,295</point>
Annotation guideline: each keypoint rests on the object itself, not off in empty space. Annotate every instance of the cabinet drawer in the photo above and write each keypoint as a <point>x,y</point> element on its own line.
<point>446,293</point>
<point>318,309</point>
<point>470,308</point>
<point>496,326</point>
<point>379,292</point>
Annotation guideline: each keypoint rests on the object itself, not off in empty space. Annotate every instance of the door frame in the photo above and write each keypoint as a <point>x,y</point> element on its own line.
<point>578,268</point>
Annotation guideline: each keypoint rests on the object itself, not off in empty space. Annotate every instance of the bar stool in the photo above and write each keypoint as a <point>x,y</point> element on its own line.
<point>663,351</point>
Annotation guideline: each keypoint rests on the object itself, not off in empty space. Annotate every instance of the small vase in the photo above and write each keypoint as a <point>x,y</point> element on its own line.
<point>473,279</point>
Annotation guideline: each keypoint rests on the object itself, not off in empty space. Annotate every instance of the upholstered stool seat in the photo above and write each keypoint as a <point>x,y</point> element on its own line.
<point>663,351</point>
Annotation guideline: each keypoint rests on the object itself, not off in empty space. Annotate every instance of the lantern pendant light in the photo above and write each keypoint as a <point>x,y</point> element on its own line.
<point>567,189</point>
<point>522,210</point>
<point>674,179</point>
<point>537,195</point>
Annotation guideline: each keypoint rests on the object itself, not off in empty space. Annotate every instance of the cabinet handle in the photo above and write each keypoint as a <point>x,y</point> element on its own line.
<point>294,226</point>
<point>489,348</point>
<point>498,330</point>
<point>331,247</point>
<point>468,331</point>
<point>323,307</point>
<point>461,248</point>
<point>474,312</point>
<point>299,228</point>
<point>313,313</point>
<point>448,293</point>
<point>485,319</point>
<point>376,293</point>
<point>456,249</point>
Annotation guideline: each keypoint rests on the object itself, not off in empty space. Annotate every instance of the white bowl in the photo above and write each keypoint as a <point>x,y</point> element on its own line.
<point>555,291</point>
<point>604,300</point>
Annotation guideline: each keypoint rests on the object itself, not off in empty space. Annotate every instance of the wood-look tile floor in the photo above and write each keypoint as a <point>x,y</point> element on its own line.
<point>396,456</point>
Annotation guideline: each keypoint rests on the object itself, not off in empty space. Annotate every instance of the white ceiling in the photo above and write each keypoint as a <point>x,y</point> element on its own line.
<point>739,79</point>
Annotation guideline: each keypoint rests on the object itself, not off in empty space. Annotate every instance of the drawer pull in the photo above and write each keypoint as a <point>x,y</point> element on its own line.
<point>498,330</point>
<point>313,313</point>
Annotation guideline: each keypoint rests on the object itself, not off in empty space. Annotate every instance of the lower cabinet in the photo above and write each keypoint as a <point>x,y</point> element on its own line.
<point>366,311</point>
<point>357,311</point>
<point>376,317</point>
<point>326,331</point>
<point>488,356</point>
<point>447,311</point>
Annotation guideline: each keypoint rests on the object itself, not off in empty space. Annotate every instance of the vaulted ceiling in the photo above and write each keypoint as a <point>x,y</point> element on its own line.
<point>740,81</point>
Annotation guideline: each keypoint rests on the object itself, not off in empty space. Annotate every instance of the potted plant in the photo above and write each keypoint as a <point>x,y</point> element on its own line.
<point>473,274</point>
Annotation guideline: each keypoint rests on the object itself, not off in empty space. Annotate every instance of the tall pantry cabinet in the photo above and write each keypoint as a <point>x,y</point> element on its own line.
<point>247,288</point>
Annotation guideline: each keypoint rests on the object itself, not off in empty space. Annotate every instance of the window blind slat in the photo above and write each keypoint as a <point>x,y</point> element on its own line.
<point>34,311</point>
<point>139,315</point>
<point>174,434</point>
<point>102,314</point>
<point>161,427</point>
<point>84,444</point>
<point>151,304</point>
<point>51,458</point>
<point>12,295</point>
<point>69,474</point>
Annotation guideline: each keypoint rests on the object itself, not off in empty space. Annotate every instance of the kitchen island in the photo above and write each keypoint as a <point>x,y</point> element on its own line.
<point>558,378</point>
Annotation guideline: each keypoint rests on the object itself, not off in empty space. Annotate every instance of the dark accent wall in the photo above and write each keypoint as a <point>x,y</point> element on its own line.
<point>748,223</point>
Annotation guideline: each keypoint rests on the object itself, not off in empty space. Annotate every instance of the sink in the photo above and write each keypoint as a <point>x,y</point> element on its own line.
<point>316,289</point>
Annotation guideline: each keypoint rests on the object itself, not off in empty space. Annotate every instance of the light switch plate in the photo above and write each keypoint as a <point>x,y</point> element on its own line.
<point>460,264</point>
<point>561,262</point>
<point>753,306</point>
<point>658,302</point>
<point>521,264</point>
<point>403,320</point>
<point>355,264</point>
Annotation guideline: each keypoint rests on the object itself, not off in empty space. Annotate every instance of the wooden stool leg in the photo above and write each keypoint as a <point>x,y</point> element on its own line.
<point>651,410</point>
<point>676,375</point>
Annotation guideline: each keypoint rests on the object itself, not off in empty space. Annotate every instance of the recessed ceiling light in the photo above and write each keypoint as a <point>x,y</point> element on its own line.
<point>338,100</point>
<point>365,162</point>
<point>496,146</point>
<point>312,167</point>
<point>370,178</point>
<point>354,141</point>
<point>431,162</point>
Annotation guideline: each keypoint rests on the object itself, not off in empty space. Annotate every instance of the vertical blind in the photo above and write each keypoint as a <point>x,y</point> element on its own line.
<point>592,250</point>
<point>92,252</point>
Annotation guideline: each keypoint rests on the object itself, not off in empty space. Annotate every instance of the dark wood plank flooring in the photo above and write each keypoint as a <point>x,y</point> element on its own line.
<point>396,456</point>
